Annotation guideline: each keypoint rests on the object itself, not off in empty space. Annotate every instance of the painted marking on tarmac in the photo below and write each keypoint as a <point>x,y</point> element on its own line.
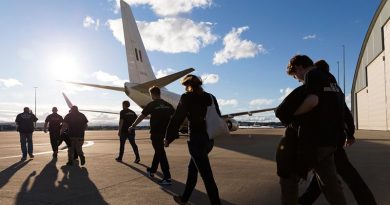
<point>86,144</point>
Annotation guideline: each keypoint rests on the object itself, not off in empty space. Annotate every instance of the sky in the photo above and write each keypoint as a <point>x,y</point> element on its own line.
<point>239,48</point>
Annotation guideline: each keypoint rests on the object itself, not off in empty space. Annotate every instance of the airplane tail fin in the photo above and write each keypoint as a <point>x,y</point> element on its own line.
<point>161,82</point>
<point>139,67</point>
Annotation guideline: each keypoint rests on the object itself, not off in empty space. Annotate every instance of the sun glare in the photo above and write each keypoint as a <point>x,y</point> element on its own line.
<point>64,67</point>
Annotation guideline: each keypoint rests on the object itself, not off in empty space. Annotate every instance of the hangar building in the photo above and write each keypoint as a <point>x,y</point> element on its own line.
<point>370,96</point>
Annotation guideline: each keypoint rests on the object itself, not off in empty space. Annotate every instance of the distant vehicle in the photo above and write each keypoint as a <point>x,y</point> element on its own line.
<point>141,75</point>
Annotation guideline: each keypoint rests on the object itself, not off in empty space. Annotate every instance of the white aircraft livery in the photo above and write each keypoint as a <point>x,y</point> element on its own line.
<point>141,75</point>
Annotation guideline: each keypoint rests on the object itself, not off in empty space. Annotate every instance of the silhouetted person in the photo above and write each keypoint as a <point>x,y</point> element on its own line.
<point>126,119</point>
<point>321,125</point>
<point>160,112</point>
<point>55,121</point>
<point>25,126</point>
<point>76,123</point>
<point>345,169</point>
<point>193,105</point>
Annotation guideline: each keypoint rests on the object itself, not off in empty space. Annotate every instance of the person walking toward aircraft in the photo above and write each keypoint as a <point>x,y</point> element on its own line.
<point>25,126</point>
<point>126,119</point>
<point>323,111</point>
<point>160,113</point>
<point>76,123</point>
<point>54,120</point>
<point>193,105</point>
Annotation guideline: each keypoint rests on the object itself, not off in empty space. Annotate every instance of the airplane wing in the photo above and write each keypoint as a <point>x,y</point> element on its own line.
<point>247,112</point>
<point>122,89</point>
<point>70,104</point>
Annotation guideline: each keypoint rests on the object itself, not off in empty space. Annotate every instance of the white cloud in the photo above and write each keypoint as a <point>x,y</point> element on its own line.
<point>285,92</point>
<point>170,35</point>
<point>163,73</point>
<point>10,82</point>
<point>222,102</point>
<point>169,7</point>
<point>116,27</point>
<point>106,77</point>
<point>236,48</point>
<point>348,100</point>
<point>210,78</point>
<point>312,36</point>
<point>260,102</point>
<point>89,22</point>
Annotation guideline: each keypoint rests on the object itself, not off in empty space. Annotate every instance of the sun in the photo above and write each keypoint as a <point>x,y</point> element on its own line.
<point>64,67</point>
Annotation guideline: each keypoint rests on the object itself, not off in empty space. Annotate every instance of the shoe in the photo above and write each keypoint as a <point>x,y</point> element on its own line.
<point>118,159</point>
<point>82,160</point>
<point>179,201</point>
<point>69,164</point>
<point>137,160</point>
<point>31,155</point>
<point>149,173</point>
<point>165,182</point>
<point>23,158</point>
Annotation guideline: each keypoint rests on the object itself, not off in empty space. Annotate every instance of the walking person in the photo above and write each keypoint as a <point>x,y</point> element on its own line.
<point>76,123</point>
<point>345,169</point>
<point>54,121</point>
<point>160,112</point>
<point>193,105</point>
<point>25,126</point>
<point>323,111</point>
<point>126,119</point>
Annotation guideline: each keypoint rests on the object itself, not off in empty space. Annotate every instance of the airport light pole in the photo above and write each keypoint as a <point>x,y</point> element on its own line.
<point>344,66</point>
<point>35,99</point>
<point>35,105</point>
<point>338,72</point>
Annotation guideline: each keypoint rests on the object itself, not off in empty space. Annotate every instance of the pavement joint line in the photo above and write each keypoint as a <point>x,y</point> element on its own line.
<point>87,144</point>
<point>18,146</point>
<point>122,182</point>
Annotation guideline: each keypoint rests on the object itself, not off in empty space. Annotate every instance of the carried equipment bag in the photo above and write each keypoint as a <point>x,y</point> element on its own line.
<point>215,125</point>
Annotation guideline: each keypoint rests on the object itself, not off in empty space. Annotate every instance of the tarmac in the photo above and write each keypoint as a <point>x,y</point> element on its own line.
<point>243,166</point>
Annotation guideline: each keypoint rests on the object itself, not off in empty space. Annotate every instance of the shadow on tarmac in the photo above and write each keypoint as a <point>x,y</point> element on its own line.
<point>74,188</point>
<point>176,188</point>
<point>7,173</point>
<point>368,156</point>
<point>262,146</point>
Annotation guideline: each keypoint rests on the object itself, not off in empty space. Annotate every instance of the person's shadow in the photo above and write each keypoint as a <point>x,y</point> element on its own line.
<point>74,188</point>
<point>42,188</point>
<point>78,187</point>
<point>177,187</point>
<point>7,173</point>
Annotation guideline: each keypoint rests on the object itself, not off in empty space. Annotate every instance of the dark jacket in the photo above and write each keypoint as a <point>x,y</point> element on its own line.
<point>192,106</point>
<point>25,122</point>
<point>294,155</point>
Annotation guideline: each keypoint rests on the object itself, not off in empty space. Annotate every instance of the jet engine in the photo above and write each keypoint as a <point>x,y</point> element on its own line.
<point>232,124</point>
